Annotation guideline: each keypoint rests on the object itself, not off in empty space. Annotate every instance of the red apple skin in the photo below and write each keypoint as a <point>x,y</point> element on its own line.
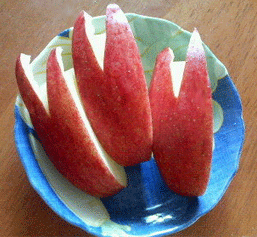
<point>63,134</point>
<point>183,125</point>
<point>39,116</point>
<point>115,99</point>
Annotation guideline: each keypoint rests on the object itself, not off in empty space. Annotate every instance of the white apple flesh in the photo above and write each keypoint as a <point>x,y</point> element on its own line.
<point>115,95</point>
<point>183,120</point>
<point>64,130</point>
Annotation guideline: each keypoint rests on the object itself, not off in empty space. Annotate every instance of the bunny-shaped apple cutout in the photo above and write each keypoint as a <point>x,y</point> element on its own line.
<point>183,120</point>
<point>114,90</point>
<point>89,118</point>
<point>64,131</point>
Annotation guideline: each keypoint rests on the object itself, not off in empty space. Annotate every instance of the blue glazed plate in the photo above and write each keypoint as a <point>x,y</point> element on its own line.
<point>146,207</point>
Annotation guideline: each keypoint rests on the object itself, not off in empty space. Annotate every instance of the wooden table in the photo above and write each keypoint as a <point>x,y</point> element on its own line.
<point>229,28</point>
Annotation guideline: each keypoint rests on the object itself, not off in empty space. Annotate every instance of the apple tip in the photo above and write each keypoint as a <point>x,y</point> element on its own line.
<point>24,56</point>
<point>113,11</point>
<point>195,30</point>
<point>196,36</point>
<point>167,53</point>
<point>23,64</point>
<point>86,16</point>
<point>83,16</point>
<point>113,6</point>
<point>171,52</point>
<point>58,50</point>
<point>195,40</point>
<point>24,59</point>
<point>82,13</point>
<point>56,56</point>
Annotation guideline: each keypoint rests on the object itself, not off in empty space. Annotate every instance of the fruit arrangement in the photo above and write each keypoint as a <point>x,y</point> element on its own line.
<point>183,120</point>
<point>100,116</point>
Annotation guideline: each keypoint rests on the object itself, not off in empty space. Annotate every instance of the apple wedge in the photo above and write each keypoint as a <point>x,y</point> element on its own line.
<point>113,89</point>
<point>183,119</point>
<point>64,131</point>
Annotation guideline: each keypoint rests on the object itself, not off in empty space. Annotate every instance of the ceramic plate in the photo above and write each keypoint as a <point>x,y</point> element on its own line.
<point>146,207</point>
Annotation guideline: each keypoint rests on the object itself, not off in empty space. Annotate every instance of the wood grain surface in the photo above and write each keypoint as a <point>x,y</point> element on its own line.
<point>228,27</point>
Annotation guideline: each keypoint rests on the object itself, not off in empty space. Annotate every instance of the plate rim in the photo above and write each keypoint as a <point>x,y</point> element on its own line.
<point>77,222</point>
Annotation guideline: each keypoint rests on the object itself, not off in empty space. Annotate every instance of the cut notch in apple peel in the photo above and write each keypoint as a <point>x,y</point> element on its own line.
<point>69,77</point>
<point>110,96</point>
<point>183,141</point>
<point>177,72</point>
<point>116,170</point>
<point>39,90</point>
<point>178,67</point>
<point>97,41</point>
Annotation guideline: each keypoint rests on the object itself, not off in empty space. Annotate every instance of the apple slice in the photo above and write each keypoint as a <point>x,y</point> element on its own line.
<point>183,120</point>
<point>114,91</point>
<point>64,130</point>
